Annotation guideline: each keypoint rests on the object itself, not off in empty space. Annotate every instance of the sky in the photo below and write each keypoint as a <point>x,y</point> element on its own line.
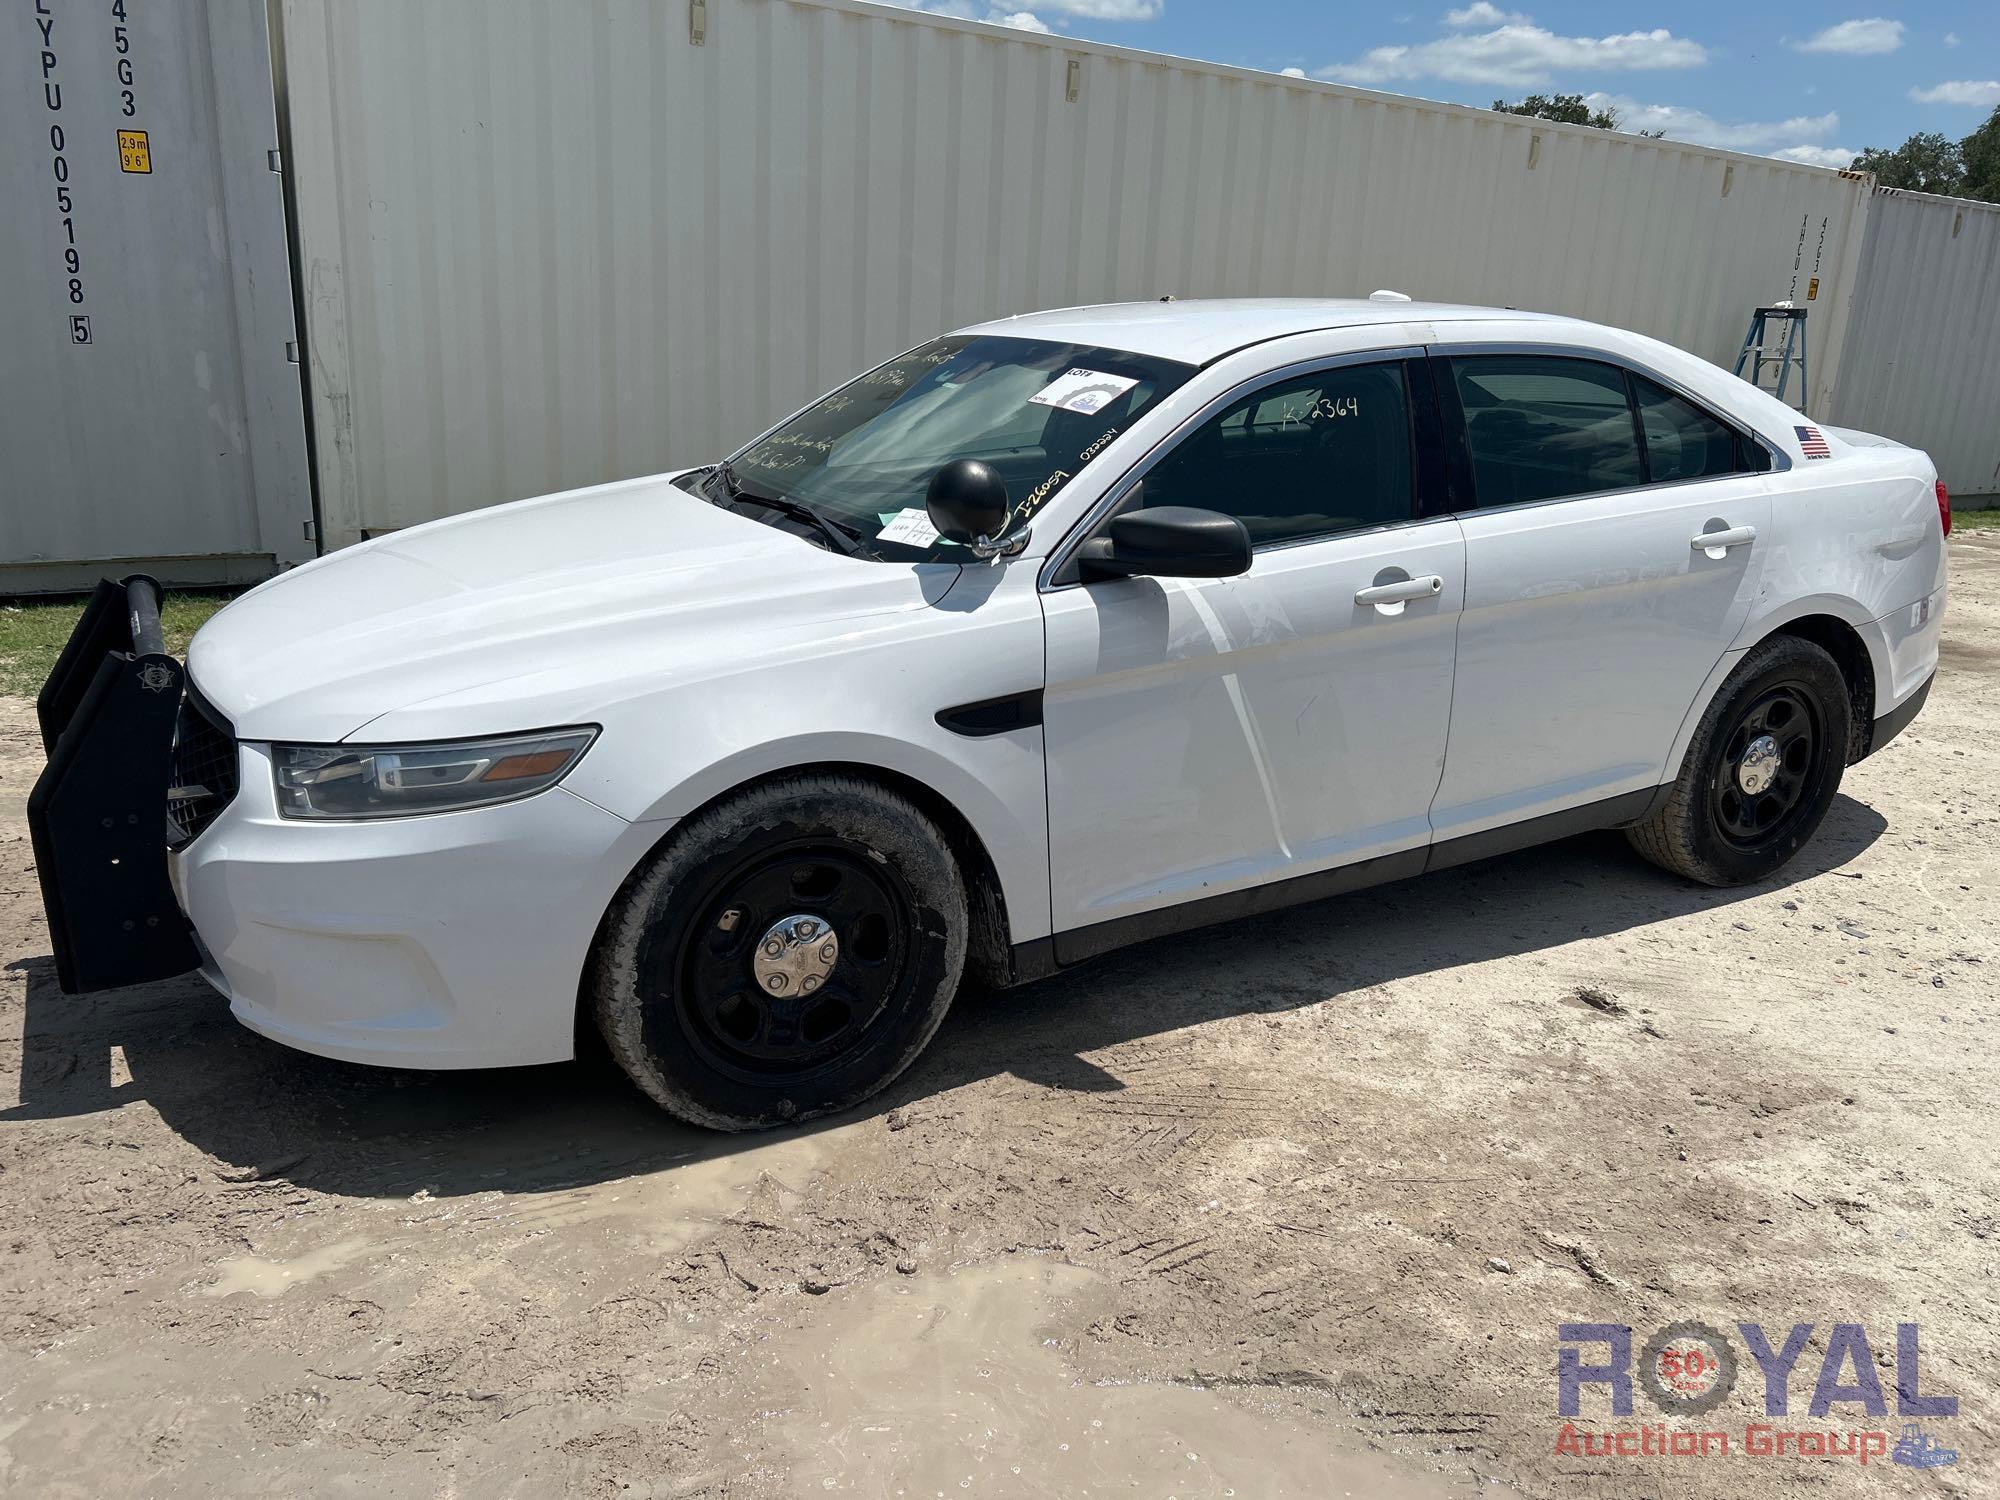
<point>1810,84</point>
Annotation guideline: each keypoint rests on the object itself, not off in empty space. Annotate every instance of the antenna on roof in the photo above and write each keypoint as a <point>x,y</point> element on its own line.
<point>1385,295</point>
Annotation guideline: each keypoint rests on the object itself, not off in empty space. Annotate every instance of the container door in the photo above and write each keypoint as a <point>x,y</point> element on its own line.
<point>149,406</point>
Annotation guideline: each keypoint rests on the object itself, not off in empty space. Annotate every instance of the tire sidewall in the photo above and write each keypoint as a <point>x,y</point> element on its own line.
<point>637,973</point>
<point>1794,663</point>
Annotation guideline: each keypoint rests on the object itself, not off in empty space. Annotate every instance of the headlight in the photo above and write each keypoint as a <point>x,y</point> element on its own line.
<point>383,781</point>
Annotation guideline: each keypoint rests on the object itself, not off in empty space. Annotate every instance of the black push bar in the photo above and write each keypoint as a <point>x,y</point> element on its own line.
<point>98,813</point>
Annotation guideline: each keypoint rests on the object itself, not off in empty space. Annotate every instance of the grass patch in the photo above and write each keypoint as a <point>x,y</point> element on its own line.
<point>32,633</point>
<point>1976,520</point>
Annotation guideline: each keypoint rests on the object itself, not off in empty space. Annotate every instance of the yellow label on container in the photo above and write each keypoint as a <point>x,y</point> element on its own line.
<point>135,154</point>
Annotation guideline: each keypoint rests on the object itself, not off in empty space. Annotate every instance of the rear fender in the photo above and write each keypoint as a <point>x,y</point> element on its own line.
<point>1760,628</point>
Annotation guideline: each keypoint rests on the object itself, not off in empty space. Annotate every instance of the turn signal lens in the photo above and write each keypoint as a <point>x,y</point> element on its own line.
<point>1944,507</point>
<point>540,763</point>
<point>383,781</point>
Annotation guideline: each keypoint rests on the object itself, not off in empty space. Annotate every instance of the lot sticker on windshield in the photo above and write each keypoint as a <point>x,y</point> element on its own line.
<point>910,527</point>
<point>1083,390</point>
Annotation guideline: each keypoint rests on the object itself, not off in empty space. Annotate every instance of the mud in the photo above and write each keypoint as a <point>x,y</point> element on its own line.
<point>1290,1207</point>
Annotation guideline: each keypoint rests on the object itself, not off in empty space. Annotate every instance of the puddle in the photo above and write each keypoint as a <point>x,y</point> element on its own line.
<point>949,1385</point>
<point>272,1278</point>
<point>680,1203</point>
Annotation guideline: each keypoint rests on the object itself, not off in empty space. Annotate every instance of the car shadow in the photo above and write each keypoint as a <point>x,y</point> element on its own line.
<point>267,1112</point>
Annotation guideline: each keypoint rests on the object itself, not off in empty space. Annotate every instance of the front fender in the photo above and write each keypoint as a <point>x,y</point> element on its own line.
<point>994,782</point>
<point>863,699</point>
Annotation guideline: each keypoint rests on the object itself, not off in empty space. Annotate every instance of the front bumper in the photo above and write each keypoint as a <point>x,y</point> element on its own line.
<point>450,940</point>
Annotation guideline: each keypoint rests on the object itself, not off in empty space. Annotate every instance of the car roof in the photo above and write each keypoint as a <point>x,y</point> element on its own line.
<point>1202,329</point>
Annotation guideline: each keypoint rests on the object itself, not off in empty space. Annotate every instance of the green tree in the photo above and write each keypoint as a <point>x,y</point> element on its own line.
<point>1980,153</point>
<point>1566,109</point>
<point>1927,162</point>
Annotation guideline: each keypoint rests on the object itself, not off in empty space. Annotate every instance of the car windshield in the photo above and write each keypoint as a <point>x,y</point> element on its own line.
<point>864,456</point>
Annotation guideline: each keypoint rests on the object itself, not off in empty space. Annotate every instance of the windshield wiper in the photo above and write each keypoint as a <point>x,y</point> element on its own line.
<point>843,537</point>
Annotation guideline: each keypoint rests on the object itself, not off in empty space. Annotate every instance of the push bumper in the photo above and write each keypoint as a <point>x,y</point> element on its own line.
<point>98,812</point>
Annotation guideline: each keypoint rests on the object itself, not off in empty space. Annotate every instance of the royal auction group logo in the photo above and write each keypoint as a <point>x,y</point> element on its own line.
<point>1688,1369</point>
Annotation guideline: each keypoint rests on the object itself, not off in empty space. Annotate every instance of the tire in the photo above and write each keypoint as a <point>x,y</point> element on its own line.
<point>1723,824</point>
<point>683,977</point>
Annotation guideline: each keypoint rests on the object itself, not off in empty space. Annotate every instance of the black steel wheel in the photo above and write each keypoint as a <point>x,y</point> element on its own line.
<point>787,953</point>
<point>1761,771</point>
<point>793,955</point>
<point>1764,773</point>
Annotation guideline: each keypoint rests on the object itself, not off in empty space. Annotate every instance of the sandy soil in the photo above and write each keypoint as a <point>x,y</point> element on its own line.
<point>1290,1207</point>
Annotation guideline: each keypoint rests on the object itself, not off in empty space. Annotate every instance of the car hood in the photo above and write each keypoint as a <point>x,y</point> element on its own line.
<point>531,615</point>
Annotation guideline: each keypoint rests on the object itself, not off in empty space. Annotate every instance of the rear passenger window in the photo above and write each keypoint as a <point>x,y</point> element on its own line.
<point>1311,456</point>
<point>1682,440</point>
<point>1539,428</point>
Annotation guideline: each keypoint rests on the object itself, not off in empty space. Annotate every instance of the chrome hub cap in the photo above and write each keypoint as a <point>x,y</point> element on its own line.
<point>1759,766</point>
<point>795,956</point>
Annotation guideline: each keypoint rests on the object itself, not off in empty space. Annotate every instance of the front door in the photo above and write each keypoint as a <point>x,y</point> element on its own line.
<point>1208,737</point>
<point>1591,618</point>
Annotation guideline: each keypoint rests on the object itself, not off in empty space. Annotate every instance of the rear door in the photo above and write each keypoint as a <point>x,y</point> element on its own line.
<point>1591,617</point>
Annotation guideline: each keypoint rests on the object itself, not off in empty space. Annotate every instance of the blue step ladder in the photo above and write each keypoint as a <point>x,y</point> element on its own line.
<point>1762,350</point>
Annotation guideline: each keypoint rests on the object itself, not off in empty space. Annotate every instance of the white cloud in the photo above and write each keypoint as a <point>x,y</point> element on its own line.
<point>1095,10</point>
<point>1983,93</point>
<point>1108,10</point>
<point>1796,139</point>
<point>1516,56</point>
<point>1816,156</point>
<point>1292,72</point>
<point>1693,125</point>
<point>1951,39</point>
<point>1856,38</point>
<point>1480,13</point>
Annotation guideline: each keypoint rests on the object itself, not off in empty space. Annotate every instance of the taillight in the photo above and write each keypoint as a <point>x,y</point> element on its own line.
<point>1944,507</point>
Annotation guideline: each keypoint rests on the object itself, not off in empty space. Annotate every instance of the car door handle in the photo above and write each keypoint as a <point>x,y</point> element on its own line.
<point>1401,592</point>
<point>1722,541</point>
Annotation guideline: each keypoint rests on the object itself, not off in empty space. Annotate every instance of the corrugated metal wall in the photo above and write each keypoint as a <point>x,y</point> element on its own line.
<point>1922,363</point>
<point>545,245</point>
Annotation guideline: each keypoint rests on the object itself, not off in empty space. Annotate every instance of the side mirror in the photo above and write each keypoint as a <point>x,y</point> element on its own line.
<point>967,501</point>
<point>1168,541</point>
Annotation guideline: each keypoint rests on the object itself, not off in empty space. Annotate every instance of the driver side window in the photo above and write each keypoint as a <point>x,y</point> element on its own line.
<point>1313,455</point>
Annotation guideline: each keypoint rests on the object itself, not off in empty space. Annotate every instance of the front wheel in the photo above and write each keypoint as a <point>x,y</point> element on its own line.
<point>1761,771</point>
<point>786,954</point>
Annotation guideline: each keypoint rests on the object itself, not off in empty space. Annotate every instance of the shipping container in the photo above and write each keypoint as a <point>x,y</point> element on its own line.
<point>1922,362</point>
<point>150,415</point>
<point>547,245</point>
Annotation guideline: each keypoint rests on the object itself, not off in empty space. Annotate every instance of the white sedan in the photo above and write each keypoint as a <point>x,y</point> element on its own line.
<point>1051,635</point>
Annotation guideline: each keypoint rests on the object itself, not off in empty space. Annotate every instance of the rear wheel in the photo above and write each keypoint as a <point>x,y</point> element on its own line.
<point>786,954</point>
<point>1761,771</point>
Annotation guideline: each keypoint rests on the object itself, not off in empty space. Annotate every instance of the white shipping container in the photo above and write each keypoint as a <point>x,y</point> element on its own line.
<point>547,245</point>
<point>1922,362</point>
<point>150,416</point>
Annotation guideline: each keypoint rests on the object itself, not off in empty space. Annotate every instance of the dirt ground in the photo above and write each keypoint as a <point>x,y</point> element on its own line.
<point>1289,1207</point>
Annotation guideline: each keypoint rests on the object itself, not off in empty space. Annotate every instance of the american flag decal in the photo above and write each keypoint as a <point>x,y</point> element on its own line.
<point>1813,444</point>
